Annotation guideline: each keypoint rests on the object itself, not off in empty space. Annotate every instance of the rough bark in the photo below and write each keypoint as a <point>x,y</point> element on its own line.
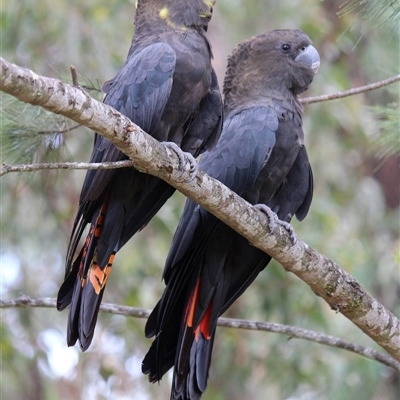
<point>339,289</point>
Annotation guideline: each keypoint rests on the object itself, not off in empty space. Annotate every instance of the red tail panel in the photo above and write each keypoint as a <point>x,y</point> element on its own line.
<point>84,287</point>
<point>192,304</point>
<point>98,277</point>
<point>204,325</point>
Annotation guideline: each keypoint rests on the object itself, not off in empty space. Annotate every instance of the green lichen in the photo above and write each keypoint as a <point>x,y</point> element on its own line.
<point>355,304</point>
<point>330,288</point>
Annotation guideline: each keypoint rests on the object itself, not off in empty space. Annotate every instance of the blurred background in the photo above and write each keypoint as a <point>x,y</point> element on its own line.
<point>354,218</point>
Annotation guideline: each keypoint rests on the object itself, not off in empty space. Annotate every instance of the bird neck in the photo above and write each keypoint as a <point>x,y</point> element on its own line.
<point>173,14</point>
<point>254,88</point>
<point>235,102</point>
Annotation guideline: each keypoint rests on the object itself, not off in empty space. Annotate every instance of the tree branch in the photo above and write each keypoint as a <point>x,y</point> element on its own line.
<point>351,92</point>
<point>292,331</point>
<point>339,289</point>
<point>6,168</point>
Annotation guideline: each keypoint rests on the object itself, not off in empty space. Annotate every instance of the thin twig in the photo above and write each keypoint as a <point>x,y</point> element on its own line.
<point>292,331</point>
<point>6,168</point>
<point>60,131</point>
<point>300,333</point>
<point>74,76</point>
<point>350,92</point>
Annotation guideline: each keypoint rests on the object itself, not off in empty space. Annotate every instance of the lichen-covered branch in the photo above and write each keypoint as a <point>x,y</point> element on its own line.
<point>340,290</point>
<point>291,331</point>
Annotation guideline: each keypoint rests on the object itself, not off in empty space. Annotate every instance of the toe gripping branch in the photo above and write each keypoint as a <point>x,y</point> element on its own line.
<point>184,158</point>
<point>273,221</point>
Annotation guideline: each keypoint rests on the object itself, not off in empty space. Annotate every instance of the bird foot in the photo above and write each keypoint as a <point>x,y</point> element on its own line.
<point>289,228</point>
<point>273,221</point>
<point>272,217</point>
<point>184,158</point>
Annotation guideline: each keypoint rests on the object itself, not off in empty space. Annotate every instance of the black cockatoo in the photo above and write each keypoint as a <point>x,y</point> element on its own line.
<point>261,156</point>
<point>168,87</point>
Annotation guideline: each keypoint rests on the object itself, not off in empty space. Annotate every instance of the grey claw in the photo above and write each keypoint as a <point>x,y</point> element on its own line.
<point>177,150</point>
<point>274,220</point>
<point>289,228</point>
<point>272,217</point>
<point>184,158</point>
<point>193,166</point>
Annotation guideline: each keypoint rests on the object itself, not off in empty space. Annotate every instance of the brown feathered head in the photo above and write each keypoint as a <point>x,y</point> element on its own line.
<point>276,64</point>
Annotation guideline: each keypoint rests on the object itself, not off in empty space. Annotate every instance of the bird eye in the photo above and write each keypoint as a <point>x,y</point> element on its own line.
<point>285,47</point>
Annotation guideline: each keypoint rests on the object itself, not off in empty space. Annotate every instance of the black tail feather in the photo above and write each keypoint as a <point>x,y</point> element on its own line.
<point>190,382</point>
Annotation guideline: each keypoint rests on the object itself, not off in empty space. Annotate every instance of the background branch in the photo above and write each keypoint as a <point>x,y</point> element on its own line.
<point>6,168</point>
<point>339,289</point>
<point>351,92</point>
<point>292,331</point>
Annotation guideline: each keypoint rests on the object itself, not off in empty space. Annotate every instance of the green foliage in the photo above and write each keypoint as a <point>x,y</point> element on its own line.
<point>387,143</point>
<point>30,134</point>
<point>385,15</point>
<point>374,13</point>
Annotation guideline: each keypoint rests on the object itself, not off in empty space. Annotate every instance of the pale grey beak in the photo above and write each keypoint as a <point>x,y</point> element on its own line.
<point>309,56</point>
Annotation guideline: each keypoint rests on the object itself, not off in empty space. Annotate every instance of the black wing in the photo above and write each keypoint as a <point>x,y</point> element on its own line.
<point>294,198</point>
<point>296,194</point>
<point>140,91</point>
<point>236,161</point>
<point>202,135</point>
<point>205,130</point>
<point>240,154</point>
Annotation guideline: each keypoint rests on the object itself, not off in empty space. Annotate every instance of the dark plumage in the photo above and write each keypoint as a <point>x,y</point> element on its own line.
<point>261,156</point>
<point>168,87</point>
